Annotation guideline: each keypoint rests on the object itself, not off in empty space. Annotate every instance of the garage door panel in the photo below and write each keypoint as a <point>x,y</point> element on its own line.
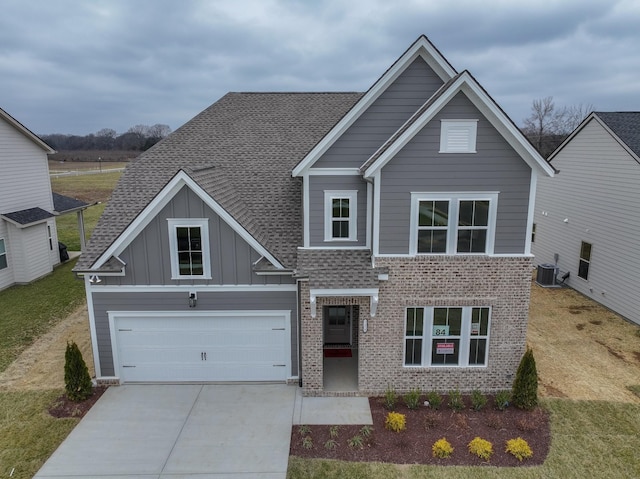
<point>205,348</point>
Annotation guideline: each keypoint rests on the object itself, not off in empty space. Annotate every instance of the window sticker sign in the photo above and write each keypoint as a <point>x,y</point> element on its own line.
<point>475,328</point>
<point>441,330</point>
<point>445,348</point>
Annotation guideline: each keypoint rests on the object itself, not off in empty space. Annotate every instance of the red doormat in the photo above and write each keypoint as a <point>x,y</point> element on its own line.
<point>337,353</point>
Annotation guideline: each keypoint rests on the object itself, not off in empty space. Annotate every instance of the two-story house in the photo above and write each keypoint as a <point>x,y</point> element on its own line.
<point>274,229</point>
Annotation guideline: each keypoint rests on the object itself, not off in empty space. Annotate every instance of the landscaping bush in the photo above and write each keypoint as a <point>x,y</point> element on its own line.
<point>412,399</point>
<point>435,399</point>
<point>390,398</point>
<point>525,386</point>
<point>519,448</point>
<point>481,448</point>
<point>76,374</point>
<point>478,400</point>
<point>396,422</point>
<point>501,400</point>
<point>442,448</point>
<point>455,400</point>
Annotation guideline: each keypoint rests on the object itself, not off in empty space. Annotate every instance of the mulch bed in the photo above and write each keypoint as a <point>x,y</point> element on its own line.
<point>424,427</point>
<point>63,407</point>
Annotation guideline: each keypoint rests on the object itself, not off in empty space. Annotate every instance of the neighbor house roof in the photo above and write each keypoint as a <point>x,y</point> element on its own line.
<point>28,217</point>
<point>241,151</point>
<point>626,126</point>
<point>66,204</point>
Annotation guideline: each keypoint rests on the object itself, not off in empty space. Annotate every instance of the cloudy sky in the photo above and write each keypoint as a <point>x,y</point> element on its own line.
<point>77,66</point>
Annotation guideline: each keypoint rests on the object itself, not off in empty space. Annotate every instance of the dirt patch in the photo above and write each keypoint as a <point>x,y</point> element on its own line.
<point>425,426</point>
<point>586,356</point>
<point>41,366</point>
<point>64,407</point>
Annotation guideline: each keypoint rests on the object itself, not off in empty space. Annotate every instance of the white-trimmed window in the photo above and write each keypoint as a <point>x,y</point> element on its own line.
<point>3,255</point>
<point>456,223</point>
<point>189,248</point>
<point>458,136</point>
<point>585,260</point>
<point>447,336</point>
<point>50,236</point>
<point>340,215</point>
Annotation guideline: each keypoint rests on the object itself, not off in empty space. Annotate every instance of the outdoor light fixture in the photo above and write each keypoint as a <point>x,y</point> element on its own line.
<point>94,278</point>
<point>193,299</point>
<point>365,326</point>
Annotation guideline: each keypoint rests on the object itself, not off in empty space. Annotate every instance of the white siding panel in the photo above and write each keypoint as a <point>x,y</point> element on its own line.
<point>30,256</point>
<point>595,198</point>
<point>6,274</point>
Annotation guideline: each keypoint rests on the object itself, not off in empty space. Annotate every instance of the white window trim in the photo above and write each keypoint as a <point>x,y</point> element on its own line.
<point>203,224</point>
<point>452,230</point>
<point>465,339</point>
<point>446,126</point>
<point>5,254</point>
<point>352,196</point>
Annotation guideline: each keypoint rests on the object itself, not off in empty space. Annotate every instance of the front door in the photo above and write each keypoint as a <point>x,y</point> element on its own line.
<point>337,324</point>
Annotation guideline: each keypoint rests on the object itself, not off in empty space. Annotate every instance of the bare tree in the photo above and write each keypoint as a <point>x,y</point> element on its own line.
<point>540,123</point>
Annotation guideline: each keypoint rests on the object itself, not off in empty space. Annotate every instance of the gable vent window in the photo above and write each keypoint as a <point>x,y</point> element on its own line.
<point>458,136</point>
<point>189,248</point>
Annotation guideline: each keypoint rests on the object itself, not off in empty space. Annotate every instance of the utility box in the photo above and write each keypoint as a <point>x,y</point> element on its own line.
<point>546,275</point>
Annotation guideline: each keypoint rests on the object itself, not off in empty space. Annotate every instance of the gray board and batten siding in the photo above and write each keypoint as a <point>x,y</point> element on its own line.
<point>103,303</point>
<point>317,186</point>
<point>418,167</point>
<point>387,113</point>
<point>148,261</point>
<point>597,192</point>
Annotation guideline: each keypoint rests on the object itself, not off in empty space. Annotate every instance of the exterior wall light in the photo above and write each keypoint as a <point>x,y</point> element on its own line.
<point>193,299</point>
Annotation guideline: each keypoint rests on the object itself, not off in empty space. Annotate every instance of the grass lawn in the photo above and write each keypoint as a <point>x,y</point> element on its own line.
<point>590,439</point>
<point>29,311</point>
<point>87,188</point>
<point>28,434</point>
<point>67,226</point>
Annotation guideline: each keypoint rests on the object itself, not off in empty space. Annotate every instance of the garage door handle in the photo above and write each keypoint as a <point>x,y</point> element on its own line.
<point>277,329</point>
<point>125,366</point>
<point>279,365</point>
<point>125,329</point>
<point>203,356</point>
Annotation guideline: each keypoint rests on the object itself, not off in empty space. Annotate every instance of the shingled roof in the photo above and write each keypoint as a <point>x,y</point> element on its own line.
<point>241,151</point>
<point>626,126</point>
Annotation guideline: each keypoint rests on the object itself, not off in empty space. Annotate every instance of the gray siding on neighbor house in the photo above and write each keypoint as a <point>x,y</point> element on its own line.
<point>317,186</point>
<point>148,259</point>
<point>177,301</point>
<point>398,102</point>
<point>418,167</point>
<point>598,192</point>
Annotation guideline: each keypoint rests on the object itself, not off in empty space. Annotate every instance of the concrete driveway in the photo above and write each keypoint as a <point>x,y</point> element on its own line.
<point>180,431</point>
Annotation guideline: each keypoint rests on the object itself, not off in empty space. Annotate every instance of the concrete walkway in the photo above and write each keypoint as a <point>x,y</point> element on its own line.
<point>193,431</point>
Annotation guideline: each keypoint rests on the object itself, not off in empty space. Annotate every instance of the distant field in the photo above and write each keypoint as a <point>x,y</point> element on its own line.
<point>63,166</point>
<point>90,156</point>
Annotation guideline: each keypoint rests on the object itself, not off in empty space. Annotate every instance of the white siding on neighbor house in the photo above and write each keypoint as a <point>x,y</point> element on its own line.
<point>24,182</point>
<point>6,274</point>
<point>31,250</point>
<point>597,192</point>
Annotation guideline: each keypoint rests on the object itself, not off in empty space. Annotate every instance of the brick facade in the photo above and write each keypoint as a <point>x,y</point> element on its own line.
<point>503,283</point>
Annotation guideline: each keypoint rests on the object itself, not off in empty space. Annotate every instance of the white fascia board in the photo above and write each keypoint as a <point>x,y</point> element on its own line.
<point>306,201</point>
<point>420,48</point>
<point>88,287</point>
<point>466,84</point>
<point>233,288</point>
<point>160,201</point>
<point>333,171</point>
<point>343,292</point>
<point>532,207</point>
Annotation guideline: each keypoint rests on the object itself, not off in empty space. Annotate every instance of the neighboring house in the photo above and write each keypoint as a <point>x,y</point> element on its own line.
<point>586,220</point>
<point>271,227</point>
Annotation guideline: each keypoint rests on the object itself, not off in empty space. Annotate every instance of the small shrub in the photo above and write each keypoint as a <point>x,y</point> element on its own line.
<point>390,398</point>
<point>395,422</point>
<point>481,448</point>
<point>519,448</point>
<point>77,382</point>
<point>455,400</point>
<point>430,421</point>
<point>304,430</point>
<point>494,421</point>
<point>366,431</point>
<point>525,385</point>
<point>527,424</point>
<point>502,399</point>
<point>435,400</point>
<point>460,421</point>
<point>478,400</point>
<point>330,444</point>
<point>355,441</point>
<point>412,399</point>
<point>307,442</point>
<point>442,448</point>
<point>333,432</point>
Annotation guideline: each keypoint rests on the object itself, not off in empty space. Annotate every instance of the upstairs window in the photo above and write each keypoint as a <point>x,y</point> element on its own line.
<point>3,255</point>
<point>458,136</point>
<point>189,248</point>
<point>585,260</point>
<point>462,223</point>
<point>340,222</point>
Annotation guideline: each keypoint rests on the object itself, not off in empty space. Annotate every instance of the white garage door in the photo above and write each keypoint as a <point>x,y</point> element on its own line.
<point>213,346</point>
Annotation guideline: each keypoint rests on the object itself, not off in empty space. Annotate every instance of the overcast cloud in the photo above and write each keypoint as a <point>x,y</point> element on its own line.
<point>78,66</point>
